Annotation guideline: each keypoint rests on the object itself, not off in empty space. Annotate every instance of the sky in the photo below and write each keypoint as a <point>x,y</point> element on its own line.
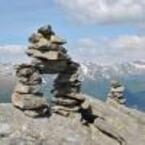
<point>101,31</point>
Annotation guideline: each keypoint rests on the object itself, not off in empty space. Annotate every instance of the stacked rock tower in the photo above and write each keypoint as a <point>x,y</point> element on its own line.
<point>116,92</point>
<point>67,90</point>
<point>28,96</point>
<point>48,57</point>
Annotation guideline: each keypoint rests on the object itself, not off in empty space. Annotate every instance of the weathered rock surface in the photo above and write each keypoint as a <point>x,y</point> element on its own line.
<point>114,125</point>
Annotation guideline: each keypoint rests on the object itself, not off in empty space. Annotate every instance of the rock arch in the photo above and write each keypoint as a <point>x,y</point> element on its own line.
<point>48,57</point>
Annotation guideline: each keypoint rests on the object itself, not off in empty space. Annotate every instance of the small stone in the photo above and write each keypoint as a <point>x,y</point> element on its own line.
<point>65,102</point>
<point>62,49</point>
<point>42,45</point>
<point>66,90</point>
<point>72,109</point>
<point>115,84</point>
<point>23,65</point>
<point>67,85</point>
<point>57,47</point>
<point>25,70</point>
<point>46,111</point>
<point>27,89</point>
<point>72,67</point>
<point>23,80</point>
<point>118,89</point>
<point>79,97</point>
<point>35,38</point>
<point>35,79</point>
<point>64,77</point>
<point>50,55</point>
<point>46,31</point>
<point>28,101</point>
<point>57,40</point>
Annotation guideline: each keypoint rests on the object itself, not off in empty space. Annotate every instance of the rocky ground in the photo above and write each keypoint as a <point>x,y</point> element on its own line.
<point>114,125</point>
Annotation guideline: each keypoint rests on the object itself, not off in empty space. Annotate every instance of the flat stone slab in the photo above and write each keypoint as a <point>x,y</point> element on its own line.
<point>50,55</point>
<point>28,101</point>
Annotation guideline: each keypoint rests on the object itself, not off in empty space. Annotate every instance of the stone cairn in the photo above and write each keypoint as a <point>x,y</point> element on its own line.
<point>28,96</point>
<point>116,92</point>
<point>48,57</point>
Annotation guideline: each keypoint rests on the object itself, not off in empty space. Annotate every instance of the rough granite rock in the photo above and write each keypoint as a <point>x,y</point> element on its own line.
<point>114,124</point>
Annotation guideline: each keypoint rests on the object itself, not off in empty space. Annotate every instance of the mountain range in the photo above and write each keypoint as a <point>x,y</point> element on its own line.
<point>95,77</point>
<point>96,71</point>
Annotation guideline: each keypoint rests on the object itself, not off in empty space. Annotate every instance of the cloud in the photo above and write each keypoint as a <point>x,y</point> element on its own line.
<point>98,50</point>
<point>12,54</point>
<point>110,50</point>
<point>12,49</point>
<point>104,11</point>
<point>130,43</point>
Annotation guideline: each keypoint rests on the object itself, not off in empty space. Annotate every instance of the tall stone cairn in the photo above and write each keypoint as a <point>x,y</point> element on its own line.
<point>116,93</point>
<point>48,57</point>
<point>27,95</point>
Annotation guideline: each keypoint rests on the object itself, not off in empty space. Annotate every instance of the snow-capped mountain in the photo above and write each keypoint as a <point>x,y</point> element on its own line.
<point>96,71</point>
<point>96,80</point>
